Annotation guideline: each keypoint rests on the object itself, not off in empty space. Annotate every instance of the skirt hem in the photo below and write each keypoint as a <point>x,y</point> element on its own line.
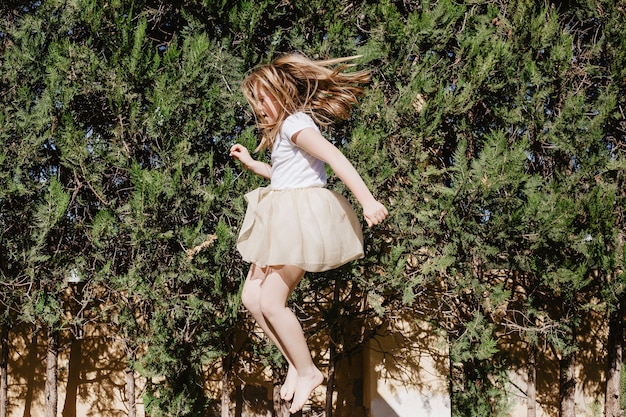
<point>314,228</point>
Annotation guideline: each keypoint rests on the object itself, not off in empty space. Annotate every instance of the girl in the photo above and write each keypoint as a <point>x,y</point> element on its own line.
<point>295,224</point>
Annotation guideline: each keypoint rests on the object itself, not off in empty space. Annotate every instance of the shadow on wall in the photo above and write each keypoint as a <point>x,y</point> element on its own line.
<point>591,358</point>
<point>91,375</point>
<point>380,407</point>
<point>407,371</point>
<point>401,372</point>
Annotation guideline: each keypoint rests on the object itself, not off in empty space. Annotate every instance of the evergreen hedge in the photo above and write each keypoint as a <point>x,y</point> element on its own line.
<point>494,132</point>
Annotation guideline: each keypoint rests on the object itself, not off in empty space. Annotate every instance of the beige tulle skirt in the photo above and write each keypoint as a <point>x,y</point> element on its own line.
<point>313,228</point>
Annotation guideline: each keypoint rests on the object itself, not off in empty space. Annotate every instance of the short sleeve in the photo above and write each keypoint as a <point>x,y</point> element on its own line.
<point>295,123</point>
<point>292,167</point>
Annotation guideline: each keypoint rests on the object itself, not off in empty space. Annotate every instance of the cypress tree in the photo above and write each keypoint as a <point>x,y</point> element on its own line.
<point>35,194</point>
<point>478,79</point>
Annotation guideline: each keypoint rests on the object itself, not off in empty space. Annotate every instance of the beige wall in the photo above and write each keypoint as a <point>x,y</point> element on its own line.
<point>407,372</point>
<point>590,381</point>
<point>91,376</point>
<point>403,372</point>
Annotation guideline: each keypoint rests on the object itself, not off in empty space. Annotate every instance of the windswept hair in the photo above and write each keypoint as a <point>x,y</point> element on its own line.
<point>321,89</point>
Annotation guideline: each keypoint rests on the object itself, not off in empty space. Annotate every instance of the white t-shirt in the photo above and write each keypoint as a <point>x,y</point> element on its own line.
<point>291,166</point>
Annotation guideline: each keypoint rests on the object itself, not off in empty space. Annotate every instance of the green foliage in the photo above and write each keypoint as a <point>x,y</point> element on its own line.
<point>484,393</point>
<point>497,139</point>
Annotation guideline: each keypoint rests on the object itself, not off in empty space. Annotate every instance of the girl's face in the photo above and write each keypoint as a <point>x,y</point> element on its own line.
<point>268,105</point>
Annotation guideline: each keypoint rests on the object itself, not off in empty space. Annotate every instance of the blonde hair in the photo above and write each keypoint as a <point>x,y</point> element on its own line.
<point>321,89</point>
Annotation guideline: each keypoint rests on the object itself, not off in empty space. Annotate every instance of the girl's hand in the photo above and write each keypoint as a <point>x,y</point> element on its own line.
<point>242,154</point>
<point>374,213</point>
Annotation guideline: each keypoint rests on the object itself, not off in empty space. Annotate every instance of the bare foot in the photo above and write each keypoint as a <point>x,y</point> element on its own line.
<point>304,387</point>
<point>289,387</point>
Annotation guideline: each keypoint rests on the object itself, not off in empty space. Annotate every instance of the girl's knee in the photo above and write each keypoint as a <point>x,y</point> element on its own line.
<point>251,292</point>
<point>250,299</point>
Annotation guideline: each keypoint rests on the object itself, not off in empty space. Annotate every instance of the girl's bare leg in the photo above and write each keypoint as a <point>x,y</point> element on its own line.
<point>275,290</point>
<point>251,298</point>
<point>283,326</point>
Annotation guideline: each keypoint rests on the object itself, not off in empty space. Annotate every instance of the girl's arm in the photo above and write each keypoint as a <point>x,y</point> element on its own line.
<point>241,153</point>
<point>314,143</point>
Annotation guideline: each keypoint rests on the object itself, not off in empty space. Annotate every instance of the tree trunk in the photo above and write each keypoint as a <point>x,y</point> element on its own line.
<point>131,402</point>
<point>52,372</point>
<point>615,346</point>
<point>73,377</point>
<point>32,362</point>
<point>531,391</point>
<point>567,385</point>
<point>330,386</point>
<point>238,399</point>
<point>332,356</point>
<point>226,369</point>
<point>4,375</point>
<point>130,385</point>
<point>281,408</point>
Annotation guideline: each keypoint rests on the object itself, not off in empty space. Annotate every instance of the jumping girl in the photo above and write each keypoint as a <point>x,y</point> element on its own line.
<point>295,224</point>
